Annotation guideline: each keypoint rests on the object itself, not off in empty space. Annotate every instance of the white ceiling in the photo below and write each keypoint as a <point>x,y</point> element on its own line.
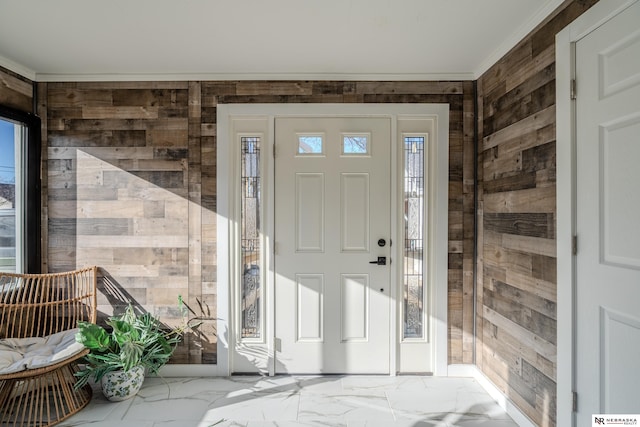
<point>77,40</point>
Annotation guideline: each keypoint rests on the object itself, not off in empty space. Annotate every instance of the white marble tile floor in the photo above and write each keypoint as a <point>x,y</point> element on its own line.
<point>294,401</point>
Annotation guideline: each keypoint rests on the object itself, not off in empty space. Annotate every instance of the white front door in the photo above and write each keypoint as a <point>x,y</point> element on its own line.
<point>608,219</point>
<point>332,220</point>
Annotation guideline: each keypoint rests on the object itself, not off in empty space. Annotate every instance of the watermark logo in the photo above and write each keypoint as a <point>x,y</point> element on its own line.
<point>615,420</point>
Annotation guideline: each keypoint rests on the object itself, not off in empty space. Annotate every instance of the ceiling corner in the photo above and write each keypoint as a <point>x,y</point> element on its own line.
<point>18,68</point>
<point>510,42</point>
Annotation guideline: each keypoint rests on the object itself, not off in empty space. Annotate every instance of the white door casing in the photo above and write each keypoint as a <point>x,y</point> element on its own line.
<point>608,218</point>
<point>241,355</point>
<point>332,206</point>
<point>598,152</point>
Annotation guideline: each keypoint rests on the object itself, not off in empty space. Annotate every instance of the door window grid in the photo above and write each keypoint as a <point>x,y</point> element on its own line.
<point>413,271</point>
<point>251,289</point>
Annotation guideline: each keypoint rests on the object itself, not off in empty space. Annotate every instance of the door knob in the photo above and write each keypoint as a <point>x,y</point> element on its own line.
<point>382,260</point>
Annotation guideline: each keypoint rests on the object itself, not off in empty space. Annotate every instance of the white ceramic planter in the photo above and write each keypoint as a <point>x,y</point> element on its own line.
<point>120,385</point>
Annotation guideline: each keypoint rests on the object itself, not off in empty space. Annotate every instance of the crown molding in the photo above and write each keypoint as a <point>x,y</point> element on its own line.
<point>17,68</point>
<point>516,37</point>
<point>46,77</point>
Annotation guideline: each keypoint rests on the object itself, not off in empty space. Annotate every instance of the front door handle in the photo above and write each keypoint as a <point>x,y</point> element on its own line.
<point>382,260</point>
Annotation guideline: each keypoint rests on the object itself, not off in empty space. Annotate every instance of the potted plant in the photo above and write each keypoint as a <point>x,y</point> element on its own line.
<point>119,358</point>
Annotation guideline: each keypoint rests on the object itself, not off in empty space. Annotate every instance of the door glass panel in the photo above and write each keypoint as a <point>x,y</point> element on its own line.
<point>310,144</point>
<point>251,290</point>
<point>10,195</point>
<point>413,273</point>
<point>355,144</point>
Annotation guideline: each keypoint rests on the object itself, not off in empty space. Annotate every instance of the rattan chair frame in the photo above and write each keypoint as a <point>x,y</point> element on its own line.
<point>37,305</point>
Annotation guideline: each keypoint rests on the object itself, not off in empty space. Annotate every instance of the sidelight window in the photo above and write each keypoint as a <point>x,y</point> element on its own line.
<point>414,221</point>
<point>251,289</point>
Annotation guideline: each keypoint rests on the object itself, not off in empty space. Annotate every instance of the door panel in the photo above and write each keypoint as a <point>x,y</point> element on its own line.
<point>309,307</point>
<point>354,319</point>
<point>309,207</point>
<point>608,206</point>
<point>354,206</point>
<point>332,180</point>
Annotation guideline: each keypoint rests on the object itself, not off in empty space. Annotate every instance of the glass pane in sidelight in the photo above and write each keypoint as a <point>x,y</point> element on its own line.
<point>251,290</point>
<point>413,268</point>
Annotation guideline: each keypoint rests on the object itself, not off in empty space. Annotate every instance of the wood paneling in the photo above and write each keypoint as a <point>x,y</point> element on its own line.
<point>123,192</point>
<point>516,295</point>
<point>16,91</point>
<point>131,185</point>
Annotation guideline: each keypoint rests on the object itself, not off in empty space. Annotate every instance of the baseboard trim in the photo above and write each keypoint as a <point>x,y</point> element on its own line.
<point>186,370</point>
<point>505,403</point>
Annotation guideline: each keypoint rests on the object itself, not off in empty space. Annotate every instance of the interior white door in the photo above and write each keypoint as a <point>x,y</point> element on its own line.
<point>332,208</point>
<point>607,222</point>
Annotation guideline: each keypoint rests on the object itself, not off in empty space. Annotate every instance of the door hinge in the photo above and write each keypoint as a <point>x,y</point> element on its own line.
<point>574,401</point>
<point>572,90</point>
<point>274,151</point>
<point>574,245</point>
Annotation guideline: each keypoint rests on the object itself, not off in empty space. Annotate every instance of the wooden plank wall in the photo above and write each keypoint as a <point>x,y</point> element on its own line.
<point>516,292</point>
<point>132,180</point>
<point>123,192</point>
<point>16,91</point>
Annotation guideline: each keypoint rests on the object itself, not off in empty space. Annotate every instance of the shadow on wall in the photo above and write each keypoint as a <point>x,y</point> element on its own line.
<point>122,199</point>
<point>113,299</point>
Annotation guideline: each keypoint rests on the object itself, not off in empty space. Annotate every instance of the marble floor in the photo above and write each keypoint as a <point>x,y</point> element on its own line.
<point>290,401</point>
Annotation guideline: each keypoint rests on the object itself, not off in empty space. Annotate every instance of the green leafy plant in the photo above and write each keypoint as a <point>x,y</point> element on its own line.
<point>134,340</point>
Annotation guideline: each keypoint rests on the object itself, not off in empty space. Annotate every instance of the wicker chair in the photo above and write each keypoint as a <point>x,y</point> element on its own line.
<point>40,390</point>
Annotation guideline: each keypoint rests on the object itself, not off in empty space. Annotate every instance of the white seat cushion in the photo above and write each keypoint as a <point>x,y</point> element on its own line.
<point>18,354</point>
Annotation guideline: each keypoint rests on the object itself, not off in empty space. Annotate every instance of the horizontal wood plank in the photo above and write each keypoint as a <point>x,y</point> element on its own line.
<point>535,200</point>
